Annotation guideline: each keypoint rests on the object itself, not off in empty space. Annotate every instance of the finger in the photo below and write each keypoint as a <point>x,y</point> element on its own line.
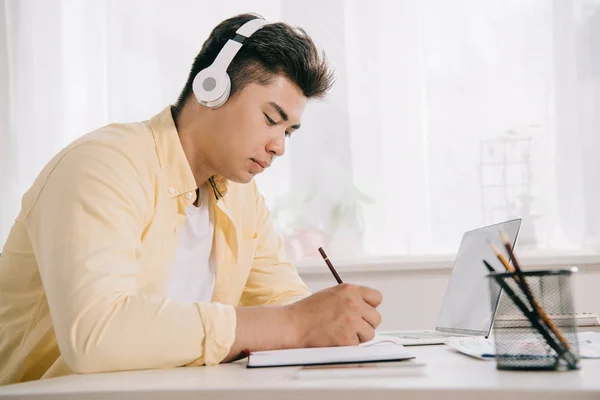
<point>371,296</point>
<point>365,332</point>
<point>370,315</point>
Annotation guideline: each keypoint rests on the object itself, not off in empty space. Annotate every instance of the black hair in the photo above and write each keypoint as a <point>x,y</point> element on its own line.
<point>275,49</point>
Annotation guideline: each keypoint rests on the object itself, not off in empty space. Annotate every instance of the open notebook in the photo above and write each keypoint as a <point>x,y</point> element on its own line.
<point>377,350</point>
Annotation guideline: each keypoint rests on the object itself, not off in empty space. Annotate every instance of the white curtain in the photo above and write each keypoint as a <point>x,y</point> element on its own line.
<point>446,115</point>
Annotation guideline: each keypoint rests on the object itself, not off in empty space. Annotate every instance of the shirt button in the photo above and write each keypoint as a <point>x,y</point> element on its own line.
<point>171,190</point>
<point>188,195</point>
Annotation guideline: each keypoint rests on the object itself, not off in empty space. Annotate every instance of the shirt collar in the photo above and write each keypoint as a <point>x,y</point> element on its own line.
<point>172,159</point>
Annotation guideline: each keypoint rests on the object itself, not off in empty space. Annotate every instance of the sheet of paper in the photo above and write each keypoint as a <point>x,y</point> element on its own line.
<point>378,339</point>
<point>477,347</point>
<point>589,346</point>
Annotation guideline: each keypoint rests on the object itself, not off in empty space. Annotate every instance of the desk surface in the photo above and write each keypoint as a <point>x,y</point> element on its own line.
<point>447,373</point>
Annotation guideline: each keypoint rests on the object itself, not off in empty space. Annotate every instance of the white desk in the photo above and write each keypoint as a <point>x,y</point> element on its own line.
<point>447,374</point>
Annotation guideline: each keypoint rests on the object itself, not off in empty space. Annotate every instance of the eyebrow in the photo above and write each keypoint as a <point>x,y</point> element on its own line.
<point>283,114</point>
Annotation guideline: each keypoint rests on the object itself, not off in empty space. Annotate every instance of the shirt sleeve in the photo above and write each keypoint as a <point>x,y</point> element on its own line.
<point>272,279</point>
<point>86,227</point>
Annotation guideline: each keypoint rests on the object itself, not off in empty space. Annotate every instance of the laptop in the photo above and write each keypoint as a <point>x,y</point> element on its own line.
<point>466,307</point>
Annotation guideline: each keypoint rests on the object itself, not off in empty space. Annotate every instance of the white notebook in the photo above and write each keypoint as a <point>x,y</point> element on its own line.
<point>377,352</point>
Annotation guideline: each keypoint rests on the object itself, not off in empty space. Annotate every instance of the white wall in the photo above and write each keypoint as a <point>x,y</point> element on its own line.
<point>412,298</point>
<point>5,156</point>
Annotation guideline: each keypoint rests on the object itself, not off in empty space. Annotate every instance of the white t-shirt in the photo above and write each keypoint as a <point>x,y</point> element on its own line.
<point>193,276</point>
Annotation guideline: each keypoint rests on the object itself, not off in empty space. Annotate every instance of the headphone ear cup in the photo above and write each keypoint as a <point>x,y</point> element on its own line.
<point>223,98</point>
<point>210,86</point>
<point>197,86</point>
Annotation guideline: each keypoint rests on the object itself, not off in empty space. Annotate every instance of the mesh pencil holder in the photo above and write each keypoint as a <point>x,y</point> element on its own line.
<point>535,345</point>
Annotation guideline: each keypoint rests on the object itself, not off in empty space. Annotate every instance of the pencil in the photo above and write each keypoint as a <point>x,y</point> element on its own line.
<point>516,269</point>
<point>330,265</point>
<point>534,319</point>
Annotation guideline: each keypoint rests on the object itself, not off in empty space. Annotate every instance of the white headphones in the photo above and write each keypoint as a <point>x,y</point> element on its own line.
<point>212,85</point>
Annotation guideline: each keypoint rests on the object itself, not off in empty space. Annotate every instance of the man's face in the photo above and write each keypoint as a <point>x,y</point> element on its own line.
<point>250,129</point>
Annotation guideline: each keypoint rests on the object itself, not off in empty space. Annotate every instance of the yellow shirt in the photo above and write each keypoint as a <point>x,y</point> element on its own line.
<point>85,270</point>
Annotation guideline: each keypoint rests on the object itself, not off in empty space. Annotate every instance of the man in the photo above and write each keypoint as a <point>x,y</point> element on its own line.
<point>147,245</point>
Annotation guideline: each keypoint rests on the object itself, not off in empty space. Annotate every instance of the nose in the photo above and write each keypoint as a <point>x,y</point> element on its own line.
<point>276,146</point>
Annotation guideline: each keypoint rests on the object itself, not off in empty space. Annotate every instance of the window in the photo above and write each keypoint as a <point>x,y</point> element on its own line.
<point>445,116</point>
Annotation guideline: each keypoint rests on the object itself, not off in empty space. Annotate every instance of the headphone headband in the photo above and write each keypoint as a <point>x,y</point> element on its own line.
<point>232,46</point>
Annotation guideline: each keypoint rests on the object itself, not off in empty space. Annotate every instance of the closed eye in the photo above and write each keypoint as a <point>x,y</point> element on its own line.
<point>272,122</point>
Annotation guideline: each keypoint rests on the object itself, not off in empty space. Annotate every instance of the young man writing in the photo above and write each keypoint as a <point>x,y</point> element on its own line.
<point>148,245</point>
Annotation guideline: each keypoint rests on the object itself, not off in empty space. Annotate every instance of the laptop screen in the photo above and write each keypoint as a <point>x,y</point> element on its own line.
<point>466,306</point>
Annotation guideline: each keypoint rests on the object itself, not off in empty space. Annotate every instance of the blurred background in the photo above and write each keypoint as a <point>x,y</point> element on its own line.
<point>446,115</point>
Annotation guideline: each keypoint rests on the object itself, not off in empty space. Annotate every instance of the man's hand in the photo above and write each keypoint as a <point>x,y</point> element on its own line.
<point>339,316</point>
<point>342,315</point>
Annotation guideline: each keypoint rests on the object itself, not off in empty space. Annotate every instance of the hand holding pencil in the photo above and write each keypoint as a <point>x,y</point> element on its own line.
<point>342,315</point>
